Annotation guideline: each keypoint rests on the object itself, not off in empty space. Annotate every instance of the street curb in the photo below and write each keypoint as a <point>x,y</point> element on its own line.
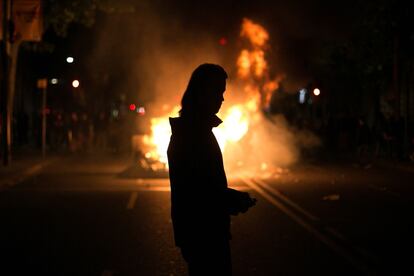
<point>29,172</point>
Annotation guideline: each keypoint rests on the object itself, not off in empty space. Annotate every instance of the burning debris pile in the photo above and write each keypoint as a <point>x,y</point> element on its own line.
<point>248,139</point>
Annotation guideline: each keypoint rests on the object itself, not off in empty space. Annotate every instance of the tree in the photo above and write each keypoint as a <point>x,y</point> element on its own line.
<point>371,56</point>
<point>60,14</point>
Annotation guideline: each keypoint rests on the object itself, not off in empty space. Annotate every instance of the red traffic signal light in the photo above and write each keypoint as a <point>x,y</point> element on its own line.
<point>132,107</point>
<point>223,41</point>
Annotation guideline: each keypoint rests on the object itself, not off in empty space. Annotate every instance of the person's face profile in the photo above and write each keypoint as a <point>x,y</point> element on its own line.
<point>215,96</point>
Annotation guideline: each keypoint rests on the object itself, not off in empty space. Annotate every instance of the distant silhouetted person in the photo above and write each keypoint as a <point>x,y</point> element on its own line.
<point>201,202</point>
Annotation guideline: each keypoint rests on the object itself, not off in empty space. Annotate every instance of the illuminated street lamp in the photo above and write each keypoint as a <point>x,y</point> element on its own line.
<point>316,92</point>
<point>42,84</point>
<point>75,83</point>
<point>54,81</point>
<point>70,59</point>
<point>302,95</point>
<point>141,111</point>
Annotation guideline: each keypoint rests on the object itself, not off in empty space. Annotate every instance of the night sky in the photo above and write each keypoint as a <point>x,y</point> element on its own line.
<point>288,22</point>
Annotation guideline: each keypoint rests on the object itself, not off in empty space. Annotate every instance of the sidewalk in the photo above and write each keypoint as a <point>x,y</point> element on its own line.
<point>399,165</point>
<point>22,166</point>
<point>349,158</point>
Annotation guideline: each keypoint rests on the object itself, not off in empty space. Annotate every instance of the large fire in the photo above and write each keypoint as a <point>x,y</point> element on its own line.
<point>239,117</point>
<point>158,141</point>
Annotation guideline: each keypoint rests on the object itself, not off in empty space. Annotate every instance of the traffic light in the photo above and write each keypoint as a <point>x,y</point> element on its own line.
<point>132,107</point>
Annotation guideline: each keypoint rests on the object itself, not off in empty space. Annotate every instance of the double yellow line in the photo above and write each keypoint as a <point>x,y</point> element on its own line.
<point>357,257</point>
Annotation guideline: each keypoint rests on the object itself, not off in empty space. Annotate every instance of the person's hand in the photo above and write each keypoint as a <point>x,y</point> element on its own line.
<point>246,202</point>
<point>239,202</point>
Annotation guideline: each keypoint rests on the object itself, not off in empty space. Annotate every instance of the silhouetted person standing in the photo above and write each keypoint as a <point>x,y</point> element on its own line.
<point>201,202</point>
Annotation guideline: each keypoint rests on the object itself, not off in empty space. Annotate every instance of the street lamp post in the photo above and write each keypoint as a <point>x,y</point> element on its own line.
<point>42,84</point>
<point>6,114</point>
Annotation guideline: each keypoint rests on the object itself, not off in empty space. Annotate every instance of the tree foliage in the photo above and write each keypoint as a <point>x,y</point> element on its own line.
<point>369,50</point>
<point>59,14</point>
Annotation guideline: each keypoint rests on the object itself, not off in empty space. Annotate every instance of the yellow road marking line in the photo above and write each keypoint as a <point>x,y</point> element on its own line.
<point>307,226</point>
<point>281,196</point>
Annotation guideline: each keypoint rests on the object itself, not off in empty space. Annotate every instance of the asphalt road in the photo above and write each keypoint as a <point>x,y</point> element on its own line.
<point>92,216</point>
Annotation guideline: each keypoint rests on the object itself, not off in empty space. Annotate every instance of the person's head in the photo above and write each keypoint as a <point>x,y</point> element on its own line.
<point>204,93</point>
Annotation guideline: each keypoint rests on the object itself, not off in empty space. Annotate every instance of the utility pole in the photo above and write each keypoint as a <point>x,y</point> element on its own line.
<point>42,84</point>
<point>5,112</point>
<point>21,22</point>
<point>396,75</point>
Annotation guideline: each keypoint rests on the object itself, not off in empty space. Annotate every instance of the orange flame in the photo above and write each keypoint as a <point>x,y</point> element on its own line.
<point>235,126</point>
<point>256,34</point>
<point>252,64</point>
<point>244,63</point>
<point>157,142</point>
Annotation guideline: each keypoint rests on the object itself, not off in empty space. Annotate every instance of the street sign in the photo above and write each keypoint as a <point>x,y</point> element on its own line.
<point>27,20</point>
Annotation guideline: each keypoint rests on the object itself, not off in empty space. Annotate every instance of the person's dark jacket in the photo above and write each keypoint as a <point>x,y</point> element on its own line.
<point>201,202</point>
<point>198,182</point>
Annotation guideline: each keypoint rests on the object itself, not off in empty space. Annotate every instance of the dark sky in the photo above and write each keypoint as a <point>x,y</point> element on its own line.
<point>293,18</point>
<point>296,27</point>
